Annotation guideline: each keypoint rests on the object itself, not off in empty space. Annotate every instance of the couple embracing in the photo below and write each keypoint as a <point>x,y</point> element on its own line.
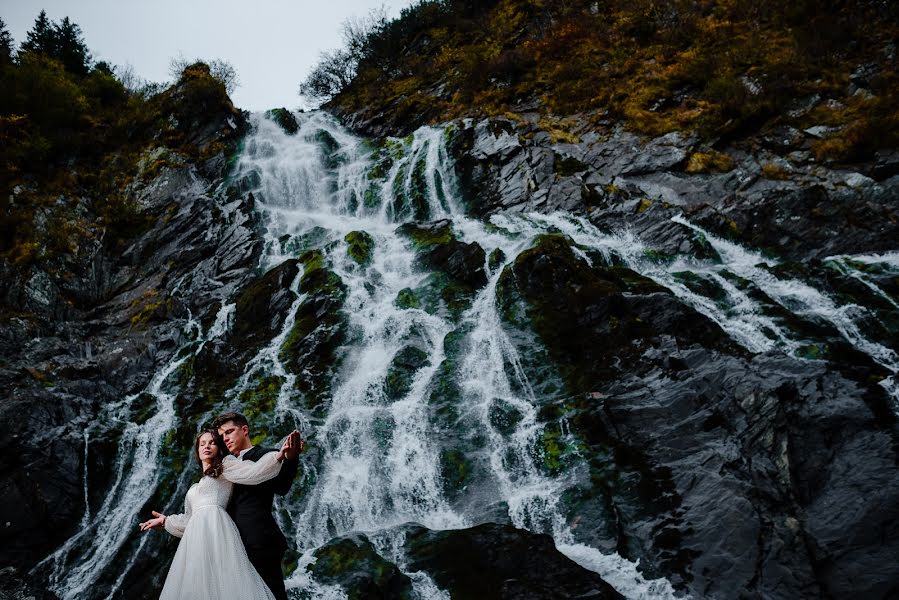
<point>230,545</point>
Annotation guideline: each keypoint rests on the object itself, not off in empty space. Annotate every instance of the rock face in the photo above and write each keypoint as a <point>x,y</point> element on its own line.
<point>77,342</point>
<point>353,564</point>
<point>499,562</point>
<point>774,197</point>
<point>721,469</point>
<point>728,471</point>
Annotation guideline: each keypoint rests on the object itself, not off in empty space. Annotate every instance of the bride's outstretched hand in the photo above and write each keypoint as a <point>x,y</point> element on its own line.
<point>292,447</point>
<point>156,523</point>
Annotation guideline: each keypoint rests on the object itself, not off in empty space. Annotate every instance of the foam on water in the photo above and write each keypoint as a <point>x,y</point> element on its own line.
<point>380,454</point>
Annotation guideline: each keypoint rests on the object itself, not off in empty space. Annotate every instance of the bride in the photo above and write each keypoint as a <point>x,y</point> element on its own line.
<point>211,561</point>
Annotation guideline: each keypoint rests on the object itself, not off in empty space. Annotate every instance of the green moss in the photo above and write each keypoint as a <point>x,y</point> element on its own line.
<point>455,469</point>
<point>300,244</point>
<point>330,149</point>
<point>503,416</point>
<point>702,285</point>
<point>360,247</point>
<point>424,238</point>
<point>352,563</point>
<point>497,258</point>
<point>440,294</point>
<point>406,298</point>
<point>812,352</point>
<point>261,398</point>
<point>643,205</point>
<point>550,450</point>
<point>657,256</point>
<point>285,119</point>
<point>311,346</point>
<point>150,307</point>
<point>401,372</point>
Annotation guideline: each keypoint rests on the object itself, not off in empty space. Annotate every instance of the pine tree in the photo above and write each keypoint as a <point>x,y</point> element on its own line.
<point>70,48</point>
<point>6,44</point>
<point>62,41</point>
<point>41,38</point>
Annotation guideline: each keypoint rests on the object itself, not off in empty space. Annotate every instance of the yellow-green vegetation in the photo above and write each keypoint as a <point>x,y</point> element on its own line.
<point>718,67</point>
<point>773,171</point>
<point>72,135</point>
<point>360,246</point>
<point>706,162</point>
<point>149,306</point>
<point>643,205</point>
<point>261,398</point>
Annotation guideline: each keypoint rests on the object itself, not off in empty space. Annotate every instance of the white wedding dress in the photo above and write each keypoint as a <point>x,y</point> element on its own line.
<point>211,562</point>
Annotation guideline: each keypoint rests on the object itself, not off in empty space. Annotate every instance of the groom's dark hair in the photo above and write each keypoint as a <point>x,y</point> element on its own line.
<point>236,417</point>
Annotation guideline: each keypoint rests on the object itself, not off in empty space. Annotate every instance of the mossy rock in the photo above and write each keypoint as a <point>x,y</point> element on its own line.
<point>438,249</point>
<point>311,347</point>
<point>260,399</point>
<point>406,299</point>
<point>401,372</point>
<point>360,247</point>
<point>298,245</point>
<point>439,294</point>
<point>285,119</point>
<point>702,285</point>
<point>503,416</point>
<point>455,470</point>
<point>330,149</point>
<point>591,317</point>
<point>352,563</point>
<point>496,259</point>
<point>262,306</point>
<point>427,236</point>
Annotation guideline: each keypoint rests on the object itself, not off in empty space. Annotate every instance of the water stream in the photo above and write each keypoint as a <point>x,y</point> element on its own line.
<point>381,449</point>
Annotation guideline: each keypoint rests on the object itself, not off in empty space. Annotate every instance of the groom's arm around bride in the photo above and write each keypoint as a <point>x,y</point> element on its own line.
<point>251,505</point>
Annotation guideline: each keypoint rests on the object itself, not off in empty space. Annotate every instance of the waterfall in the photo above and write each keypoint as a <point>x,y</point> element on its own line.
<point>381,446</point>
<point>380,465</point>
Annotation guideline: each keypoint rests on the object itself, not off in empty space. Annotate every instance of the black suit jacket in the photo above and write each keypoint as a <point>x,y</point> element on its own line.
<point>251,505</point>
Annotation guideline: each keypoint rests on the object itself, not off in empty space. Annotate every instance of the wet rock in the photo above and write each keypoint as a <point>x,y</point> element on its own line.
<point>262,306</point>
<point>360,247</point>
<point>14,586</point>
<point>594,321</point>
<point>439,249</point>
<point>285,119</point>
<point>352,563</point>
<point>311,348</point>
<point>493,561</point>
<point>402,370</point>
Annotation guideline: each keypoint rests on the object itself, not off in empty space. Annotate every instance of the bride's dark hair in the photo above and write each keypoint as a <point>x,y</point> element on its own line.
<point>215,469</point>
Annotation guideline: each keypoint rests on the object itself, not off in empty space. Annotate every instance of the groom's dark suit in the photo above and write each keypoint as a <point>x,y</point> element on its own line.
<point>251,508</point>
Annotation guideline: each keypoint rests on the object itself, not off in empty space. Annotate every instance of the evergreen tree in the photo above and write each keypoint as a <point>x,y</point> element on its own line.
<point>6,44</point>
<point>62,41</point>
<point>41,38</point>
<point>70,48</point>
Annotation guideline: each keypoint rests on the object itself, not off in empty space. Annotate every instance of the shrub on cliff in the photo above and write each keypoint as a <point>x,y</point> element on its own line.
<point>719,67</point>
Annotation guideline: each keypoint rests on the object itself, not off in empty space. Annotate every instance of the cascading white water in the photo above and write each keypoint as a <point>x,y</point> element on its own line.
<point>380,464</point>
<point>381,454</point>
<point>802,299</point>
<point>76,566</point>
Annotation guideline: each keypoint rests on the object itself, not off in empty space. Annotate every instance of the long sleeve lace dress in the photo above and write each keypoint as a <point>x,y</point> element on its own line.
<point>211,562</point>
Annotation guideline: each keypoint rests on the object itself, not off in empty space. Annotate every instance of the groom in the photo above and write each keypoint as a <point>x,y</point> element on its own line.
<point>251,505</point>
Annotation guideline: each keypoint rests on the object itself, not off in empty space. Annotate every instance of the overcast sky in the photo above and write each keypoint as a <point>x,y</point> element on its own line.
<point>272,43</point>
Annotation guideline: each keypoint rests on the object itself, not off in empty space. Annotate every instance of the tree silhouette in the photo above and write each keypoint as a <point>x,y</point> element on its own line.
<point>62,41</point>
<point>41,37</point>
<point>6,44</point>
